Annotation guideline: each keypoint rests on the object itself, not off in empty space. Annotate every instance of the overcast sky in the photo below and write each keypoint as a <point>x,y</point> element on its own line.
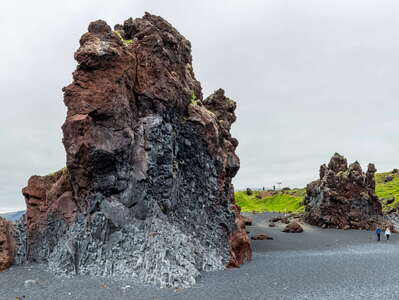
<point>310,78</point>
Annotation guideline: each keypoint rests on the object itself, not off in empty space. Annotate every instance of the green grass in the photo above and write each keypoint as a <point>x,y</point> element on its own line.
<point>291,201</point>
<point>387,190</point>
<point>282,201</point>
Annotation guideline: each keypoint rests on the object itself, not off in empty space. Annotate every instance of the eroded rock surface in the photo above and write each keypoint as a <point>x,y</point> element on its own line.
<point>50,207</point>
<point>147,193</point>
<point>7,244</point>
<point>344,196</point>
<point>293,227</point>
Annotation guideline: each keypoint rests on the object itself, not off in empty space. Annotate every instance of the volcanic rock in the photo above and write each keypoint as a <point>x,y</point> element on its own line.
<point>293,227</point>
<point>248,221</point>
<point>50,207</point>
<point>147,191</point>
<point>389,201</point>
<point>263,194</point>
<point>240,244</point>
<point>388,178</point>
<point>343,196</point>
<point>261,237</point>
<point>7,244</point>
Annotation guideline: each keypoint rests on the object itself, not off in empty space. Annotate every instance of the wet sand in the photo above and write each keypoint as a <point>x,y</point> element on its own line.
<point>315,264</point>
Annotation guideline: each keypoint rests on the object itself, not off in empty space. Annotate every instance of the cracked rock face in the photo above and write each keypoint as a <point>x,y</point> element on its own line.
<point>50,207</point>
<point>344,196</point>
<point>7,244</point>
<point>147,193</point>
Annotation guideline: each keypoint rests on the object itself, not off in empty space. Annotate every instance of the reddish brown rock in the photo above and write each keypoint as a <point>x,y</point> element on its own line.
<point>293,227</point>
<point>261,237</point>
<point>247,221</point>
<point>240,244</point>
<point>263,194</point>
<point>343,197</point>
<point>48,198</point>
<point>7,244</point>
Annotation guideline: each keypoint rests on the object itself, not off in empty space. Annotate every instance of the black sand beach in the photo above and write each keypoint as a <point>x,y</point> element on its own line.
<point>315,264</point>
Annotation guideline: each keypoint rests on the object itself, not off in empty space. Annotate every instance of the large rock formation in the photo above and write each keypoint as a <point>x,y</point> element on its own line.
<point>147,191</point>
<point>7,244</point>
<point>344,197</point>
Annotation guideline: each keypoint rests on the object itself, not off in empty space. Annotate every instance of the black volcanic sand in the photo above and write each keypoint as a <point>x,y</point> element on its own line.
<point>315,264</point>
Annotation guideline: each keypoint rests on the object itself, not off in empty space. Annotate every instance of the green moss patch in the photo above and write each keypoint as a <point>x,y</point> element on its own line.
<point>126,42</point>
<point>387,190</point>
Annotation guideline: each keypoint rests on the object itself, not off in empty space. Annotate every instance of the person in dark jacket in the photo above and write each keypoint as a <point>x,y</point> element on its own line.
<point>378,233</point>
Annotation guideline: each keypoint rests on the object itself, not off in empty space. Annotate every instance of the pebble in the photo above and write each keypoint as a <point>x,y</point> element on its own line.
<point>29,283</point>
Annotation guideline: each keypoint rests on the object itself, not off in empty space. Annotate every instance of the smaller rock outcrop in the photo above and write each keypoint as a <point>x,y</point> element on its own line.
<point>50,206</point>
<point>7,244</point>
<point>293,227</point>
<point>240,244</point>
<point>343,197</point>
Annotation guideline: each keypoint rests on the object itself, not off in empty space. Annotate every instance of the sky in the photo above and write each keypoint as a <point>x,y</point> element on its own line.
<point>310,78</point>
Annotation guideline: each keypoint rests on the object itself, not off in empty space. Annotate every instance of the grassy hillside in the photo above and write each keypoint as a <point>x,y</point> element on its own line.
<point>387,190</point>
<point>291,201</point>
<point>282,201</point>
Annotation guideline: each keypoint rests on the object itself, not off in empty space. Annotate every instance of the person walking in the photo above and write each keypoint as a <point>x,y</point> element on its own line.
<point>378,233</point>
<point>387,233</point>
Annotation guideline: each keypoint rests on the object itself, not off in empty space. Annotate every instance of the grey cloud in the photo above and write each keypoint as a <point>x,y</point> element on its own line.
<point>310,78</point>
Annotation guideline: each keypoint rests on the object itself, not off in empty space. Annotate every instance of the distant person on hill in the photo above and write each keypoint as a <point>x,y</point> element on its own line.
<point>387,233</point>
<point>378,233</point>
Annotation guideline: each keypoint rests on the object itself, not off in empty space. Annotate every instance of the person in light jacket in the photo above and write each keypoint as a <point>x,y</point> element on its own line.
<point>387,233</point>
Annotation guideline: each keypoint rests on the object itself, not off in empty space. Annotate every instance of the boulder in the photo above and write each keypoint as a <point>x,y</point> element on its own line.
<point>343,196</point>
<point>276,219</point>
<point>293,227</point>
<point>261,237</point>
<point>263,194</point>
<point>7,244</point>
<point>150,164</point>
<point>247,221</point>
<point>390,201</point>
<point>388,178</point>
